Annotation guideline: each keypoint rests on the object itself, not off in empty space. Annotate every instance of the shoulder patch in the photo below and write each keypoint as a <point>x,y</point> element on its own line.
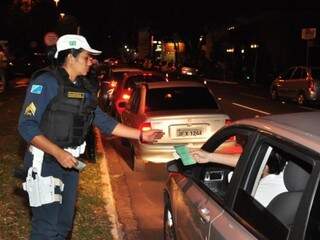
<point>36,89</point>
<point>30,110</point>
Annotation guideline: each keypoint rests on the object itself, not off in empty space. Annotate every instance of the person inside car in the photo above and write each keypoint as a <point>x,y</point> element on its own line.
<point>271,183</point>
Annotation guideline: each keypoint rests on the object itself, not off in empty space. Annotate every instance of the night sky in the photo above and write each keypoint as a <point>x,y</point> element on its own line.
<point>120,19</point>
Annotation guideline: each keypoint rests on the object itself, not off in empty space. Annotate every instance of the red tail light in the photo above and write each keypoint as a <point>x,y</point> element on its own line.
<point>145,126</point>
<point>113,84</point>
<point>311,86</point>
<point>228,122</point>
<point>126,96</point>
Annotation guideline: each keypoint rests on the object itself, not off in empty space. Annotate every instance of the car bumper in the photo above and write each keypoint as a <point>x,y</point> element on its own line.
<point>160,153</point>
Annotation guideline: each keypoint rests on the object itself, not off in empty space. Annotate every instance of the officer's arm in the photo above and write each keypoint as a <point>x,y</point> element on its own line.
<point>109,125</point>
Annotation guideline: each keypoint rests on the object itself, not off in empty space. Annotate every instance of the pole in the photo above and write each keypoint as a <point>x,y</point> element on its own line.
<point>307,53</point>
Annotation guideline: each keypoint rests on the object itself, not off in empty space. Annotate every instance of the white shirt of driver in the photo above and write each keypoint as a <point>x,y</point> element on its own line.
<point>269,187</point>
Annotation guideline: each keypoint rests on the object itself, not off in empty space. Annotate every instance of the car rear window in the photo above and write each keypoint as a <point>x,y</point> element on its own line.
<point>180,98</point>
<point>316,73</point>
<point>131,81</point>
<point>117,75</point>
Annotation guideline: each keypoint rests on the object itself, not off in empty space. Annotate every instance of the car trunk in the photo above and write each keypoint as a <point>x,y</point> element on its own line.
<point>182,128</point>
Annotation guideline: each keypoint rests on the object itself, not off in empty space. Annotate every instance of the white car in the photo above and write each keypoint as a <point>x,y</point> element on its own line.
<point>187,112</point>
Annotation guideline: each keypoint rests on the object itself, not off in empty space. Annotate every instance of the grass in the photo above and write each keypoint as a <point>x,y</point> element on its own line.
<point>91,220</point>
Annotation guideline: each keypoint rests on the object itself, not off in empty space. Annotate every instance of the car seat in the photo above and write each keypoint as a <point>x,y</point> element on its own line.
<point>284,206</point>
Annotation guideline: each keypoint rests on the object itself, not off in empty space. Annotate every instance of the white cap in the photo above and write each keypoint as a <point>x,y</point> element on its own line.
<point>72,41</point>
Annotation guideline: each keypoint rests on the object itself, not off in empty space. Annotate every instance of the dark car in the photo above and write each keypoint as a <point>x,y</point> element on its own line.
<point>109,80</point>
<point>122,91</point>
<point>215,201</point>
<point>298,83</point>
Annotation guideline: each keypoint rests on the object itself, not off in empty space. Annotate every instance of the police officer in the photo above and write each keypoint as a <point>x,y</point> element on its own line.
<point>59,108</point>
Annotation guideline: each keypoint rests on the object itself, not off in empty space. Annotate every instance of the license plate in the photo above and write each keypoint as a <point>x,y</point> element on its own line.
<point>188,132</point>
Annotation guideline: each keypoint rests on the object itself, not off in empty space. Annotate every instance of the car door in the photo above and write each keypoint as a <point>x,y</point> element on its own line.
<point>204,196</point>
<point>283,82</point>
<point>234,144</point>
<point>131,115</point>
<point>272,205</point>
<point>295,83</point>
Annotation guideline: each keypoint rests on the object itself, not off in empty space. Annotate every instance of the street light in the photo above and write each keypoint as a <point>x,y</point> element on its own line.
<point>57,2</point>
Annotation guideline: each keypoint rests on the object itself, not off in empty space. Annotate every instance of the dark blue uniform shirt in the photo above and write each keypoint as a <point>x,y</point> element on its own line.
<point>39,94</point>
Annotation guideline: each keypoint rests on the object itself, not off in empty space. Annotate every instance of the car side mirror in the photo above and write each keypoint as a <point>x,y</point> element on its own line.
<point>174,166</point>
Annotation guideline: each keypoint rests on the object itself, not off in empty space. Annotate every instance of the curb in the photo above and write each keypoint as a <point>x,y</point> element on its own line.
<point>107,194</point>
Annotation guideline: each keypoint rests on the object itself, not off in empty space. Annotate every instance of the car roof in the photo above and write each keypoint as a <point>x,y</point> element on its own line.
<point>302,128</point>
<point>174,84</point>
<point>125,69</point>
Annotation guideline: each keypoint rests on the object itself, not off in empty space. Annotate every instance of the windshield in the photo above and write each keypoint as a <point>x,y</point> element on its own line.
<point>180,98</point>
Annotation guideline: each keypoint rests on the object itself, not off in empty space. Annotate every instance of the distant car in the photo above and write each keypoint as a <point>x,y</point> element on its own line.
<point>112,61</point>
<point>187,112</point>
<point>206,201</point>
<point>109,80</point>
<point>123,89</point>
<point>298,83</point>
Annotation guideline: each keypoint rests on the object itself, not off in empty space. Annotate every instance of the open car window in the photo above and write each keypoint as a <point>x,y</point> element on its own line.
<point>270,197</point>
<point>215,178</point>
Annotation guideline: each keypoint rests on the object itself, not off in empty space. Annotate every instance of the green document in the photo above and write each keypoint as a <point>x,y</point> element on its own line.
<point>184,155</point>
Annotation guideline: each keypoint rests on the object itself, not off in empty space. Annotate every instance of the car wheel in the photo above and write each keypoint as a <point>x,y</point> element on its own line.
<point>138,163</point>
<point>168,224</point>
<point>274,94</point>
<point>301,99</point>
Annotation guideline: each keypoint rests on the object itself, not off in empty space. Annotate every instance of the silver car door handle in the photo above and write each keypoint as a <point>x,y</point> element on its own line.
<point>204,215</point>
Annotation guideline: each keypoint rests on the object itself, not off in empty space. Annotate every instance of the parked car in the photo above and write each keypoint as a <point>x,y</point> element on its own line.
<point>122,91</point>
<point>205,201</point>
<point>298,83</point>
<point>108,82</point>
<point>187,112</point>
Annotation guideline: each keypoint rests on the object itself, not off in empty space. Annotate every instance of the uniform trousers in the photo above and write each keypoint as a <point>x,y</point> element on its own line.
<point>53,221</point>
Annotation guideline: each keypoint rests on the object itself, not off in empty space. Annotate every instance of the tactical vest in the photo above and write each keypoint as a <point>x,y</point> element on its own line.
<point>69,115</point>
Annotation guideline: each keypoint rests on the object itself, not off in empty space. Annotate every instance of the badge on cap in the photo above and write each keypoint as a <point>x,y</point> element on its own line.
<point>30,110</point>
<point>36,89</point>
<point>72,43</point>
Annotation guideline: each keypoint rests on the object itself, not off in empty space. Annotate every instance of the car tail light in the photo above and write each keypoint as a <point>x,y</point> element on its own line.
<point>113,84</point>
<point>311,86</point>
<point>126,96</point>
<point>228,121</point>
<point>146,126</point>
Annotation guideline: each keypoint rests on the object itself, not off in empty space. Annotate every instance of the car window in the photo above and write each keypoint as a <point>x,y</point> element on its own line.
<point>178,98</point>
<point>117,75</point>
<point>315,73</point>
<point>304,72</point>
<point>134,101</point>
<point>269,199</point>
<point>132,81</point>
<point>217,177</point>
<point>287,75</point>
<point>297,74</point>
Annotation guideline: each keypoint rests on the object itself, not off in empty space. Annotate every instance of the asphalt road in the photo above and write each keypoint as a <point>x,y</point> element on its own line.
<point>139,200</point>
